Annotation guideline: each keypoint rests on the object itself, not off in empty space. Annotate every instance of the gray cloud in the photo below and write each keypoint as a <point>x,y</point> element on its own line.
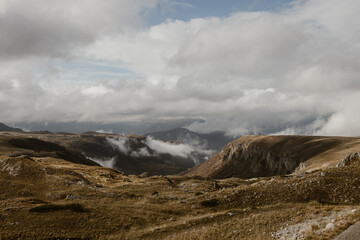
<point>288,72</point>
<point>160,147</point>
<point>54,28</point>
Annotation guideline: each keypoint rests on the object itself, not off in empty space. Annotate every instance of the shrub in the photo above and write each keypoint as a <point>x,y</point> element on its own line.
<point>210,203</point>
<point>318,195</point>
<point>75,207</point>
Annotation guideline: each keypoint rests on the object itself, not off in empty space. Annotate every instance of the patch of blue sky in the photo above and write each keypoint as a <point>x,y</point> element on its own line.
<point>189,9</point>
<point>91,70</point>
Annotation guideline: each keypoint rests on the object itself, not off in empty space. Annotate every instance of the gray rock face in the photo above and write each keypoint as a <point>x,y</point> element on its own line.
<point>264,156</point>
<point>253,160</point>
<point>350,158</point>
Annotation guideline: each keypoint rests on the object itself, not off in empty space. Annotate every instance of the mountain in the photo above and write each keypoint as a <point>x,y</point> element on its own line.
<point>131,127</point>
<point>45,197</point>
<point>260,156</point>
<point>5,128</point>
<point>131,154</point>
<point>214,140</point>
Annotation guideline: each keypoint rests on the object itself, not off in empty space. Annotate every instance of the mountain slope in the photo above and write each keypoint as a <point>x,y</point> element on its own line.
<point>259,156</point>
<point>50,198</point>
<point>5,128</point>
<point>131,154</point>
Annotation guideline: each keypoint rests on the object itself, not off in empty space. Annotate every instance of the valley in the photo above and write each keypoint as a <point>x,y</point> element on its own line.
<point>50,188</point>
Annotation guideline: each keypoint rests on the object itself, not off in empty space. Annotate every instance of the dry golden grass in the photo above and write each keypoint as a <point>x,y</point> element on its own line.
<point>117,206</point>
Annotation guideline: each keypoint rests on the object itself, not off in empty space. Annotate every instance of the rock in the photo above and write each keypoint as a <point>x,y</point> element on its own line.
<point>110,194</point>
<point>302,166</point>
<point>13,223</point>
<point>145,175</point>
<point>350,158</point>
<point>172,219</point>
<point>322,174</point>
<point>329,226</point>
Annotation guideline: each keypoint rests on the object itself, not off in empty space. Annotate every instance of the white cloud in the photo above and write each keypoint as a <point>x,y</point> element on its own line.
<point>291,71</point>
<point>131,148</point>
<point>96,91</point>
<point>121,143</point>
<point>181,150</point>
<point>109,163</point>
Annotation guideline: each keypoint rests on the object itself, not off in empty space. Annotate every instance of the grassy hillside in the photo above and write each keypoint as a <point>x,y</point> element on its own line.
<point>43,197</point>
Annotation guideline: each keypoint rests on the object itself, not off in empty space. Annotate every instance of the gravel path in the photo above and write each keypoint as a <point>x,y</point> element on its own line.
<point>353,232</point>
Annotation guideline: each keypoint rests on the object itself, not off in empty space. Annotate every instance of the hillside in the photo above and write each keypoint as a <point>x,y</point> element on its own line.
<point>5,128</point>
<point>260,156</point>
<point>50,198</point>
<point>131,154</point>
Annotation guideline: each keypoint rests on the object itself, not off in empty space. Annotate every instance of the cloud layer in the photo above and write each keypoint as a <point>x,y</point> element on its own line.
<point>294,71</point>
<point>154,147</point>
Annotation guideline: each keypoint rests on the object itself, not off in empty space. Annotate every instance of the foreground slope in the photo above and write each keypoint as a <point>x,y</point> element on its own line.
<point>259,156</point>
<point>50,198</point>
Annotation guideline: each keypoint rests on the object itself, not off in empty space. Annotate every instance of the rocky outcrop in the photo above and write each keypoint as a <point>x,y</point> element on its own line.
<point>261,156</point>
<point>350,158</point>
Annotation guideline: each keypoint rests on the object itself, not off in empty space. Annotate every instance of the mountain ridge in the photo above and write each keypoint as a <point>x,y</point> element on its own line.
<point>6,128</point>
<point>261,156</point>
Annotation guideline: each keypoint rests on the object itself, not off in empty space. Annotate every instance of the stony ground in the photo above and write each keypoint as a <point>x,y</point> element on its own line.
<point>52,198</point>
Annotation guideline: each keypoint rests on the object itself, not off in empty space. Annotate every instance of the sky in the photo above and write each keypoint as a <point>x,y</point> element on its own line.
<point>269,66</point>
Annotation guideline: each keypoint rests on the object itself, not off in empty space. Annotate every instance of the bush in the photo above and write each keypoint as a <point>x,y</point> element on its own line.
<point>75,207</point>
<point>210,203</point>
<point>319,195</point>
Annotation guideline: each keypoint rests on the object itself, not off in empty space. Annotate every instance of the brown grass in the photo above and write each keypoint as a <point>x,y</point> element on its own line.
<point>129,207</point>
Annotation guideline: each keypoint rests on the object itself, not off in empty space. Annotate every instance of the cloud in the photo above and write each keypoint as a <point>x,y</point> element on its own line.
<point>109,163</point>
<point>122,144</point>
<point>154,147</point>
<point>181,149</point>
<point>95,90</point>
<point>55,28</point>
<point>104,131</point>
<point>291,71</point>
<point>345,121</point>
